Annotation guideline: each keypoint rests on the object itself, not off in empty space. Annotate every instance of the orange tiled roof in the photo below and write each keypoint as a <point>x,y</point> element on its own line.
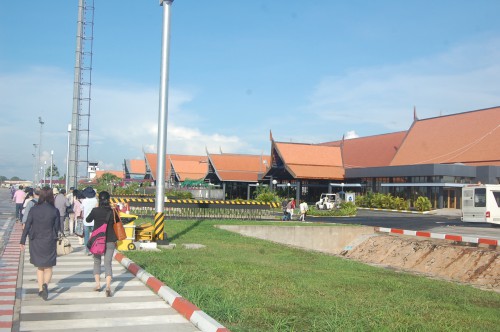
<point>137,166</point>
<point>100,173</point>
<point>239,167</point>
<point>308,161</point>
<point>152,162</point>
<point>189,167</point>
<point>470,138</point>
<point>370,151</point>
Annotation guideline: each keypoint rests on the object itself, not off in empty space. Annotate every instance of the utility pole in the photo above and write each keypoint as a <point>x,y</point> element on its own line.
<point>159,233</point>
<point>51,163</point>
<point>40,144</point>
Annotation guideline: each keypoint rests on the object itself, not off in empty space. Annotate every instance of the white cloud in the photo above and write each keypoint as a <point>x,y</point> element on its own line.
<point>123,121</point>
<point>350,134</point>
<point>463,79</point>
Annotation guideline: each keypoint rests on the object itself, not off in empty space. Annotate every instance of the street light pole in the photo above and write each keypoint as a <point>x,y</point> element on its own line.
<point>35,166</point>
<point>40,144</point>
<point>274,185</point>
<point>44,172</point>
<point>67,159</point>
<point>288,190</point>
<point>159,232</point>
<point>51,163</point>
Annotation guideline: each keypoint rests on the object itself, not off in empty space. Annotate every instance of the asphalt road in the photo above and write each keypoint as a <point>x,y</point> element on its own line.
<point>416,222</point>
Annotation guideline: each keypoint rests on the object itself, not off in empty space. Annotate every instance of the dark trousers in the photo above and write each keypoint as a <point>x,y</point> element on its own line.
<point>62,219</point>
<point>19,210</point>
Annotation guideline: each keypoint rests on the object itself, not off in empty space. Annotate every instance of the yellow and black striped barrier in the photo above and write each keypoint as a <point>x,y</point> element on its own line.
<point>196,202</point>
<point>159,220</point>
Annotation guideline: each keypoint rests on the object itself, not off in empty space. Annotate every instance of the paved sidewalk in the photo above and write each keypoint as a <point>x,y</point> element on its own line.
<point>72,303</point>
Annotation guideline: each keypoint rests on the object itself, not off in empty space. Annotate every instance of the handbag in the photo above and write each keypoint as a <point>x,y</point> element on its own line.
<point>63,246</point>
<point>118,226</point>
<point>79,227</point>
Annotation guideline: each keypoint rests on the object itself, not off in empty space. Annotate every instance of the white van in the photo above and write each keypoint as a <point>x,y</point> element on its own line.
<point>481,203</point>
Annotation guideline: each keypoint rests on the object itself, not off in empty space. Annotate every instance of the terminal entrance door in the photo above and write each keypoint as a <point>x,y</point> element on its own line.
<point>452,198</point>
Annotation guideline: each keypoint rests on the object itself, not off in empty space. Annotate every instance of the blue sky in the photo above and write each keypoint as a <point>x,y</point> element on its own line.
<point>310,71</point>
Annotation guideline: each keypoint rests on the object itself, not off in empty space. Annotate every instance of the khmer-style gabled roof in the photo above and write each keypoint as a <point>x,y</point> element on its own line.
<point>470,138</point>
<point>369,151</point>
<point>189,167</point>
<point>309,161</point>
<point>239,167</point>
<point>100,173</point>
<point>152,165</point>
<point>137,166</point>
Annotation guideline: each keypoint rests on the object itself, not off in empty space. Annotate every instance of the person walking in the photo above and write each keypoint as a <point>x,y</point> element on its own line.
<point>70,211</point>
<point>103,214</point>
<point>42,226</point>
<point>28,204</point>
<point>88,203</point>
<point>61,204</point>
<point>291,209</point>
<point>18,198</point>
<point>303,210</point>
<point>78,214</point>
<point>284,205</point>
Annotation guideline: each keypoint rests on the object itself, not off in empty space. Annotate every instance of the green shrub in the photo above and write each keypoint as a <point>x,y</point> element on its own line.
<point>264,194</point>
<point>345,209</point>
<point>423,204</point>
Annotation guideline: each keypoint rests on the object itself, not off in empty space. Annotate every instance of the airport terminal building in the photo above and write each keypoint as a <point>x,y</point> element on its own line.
<point>435,158</point>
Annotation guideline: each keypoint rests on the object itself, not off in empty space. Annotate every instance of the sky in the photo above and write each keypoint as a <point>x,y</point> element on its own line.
<point>307,71</point>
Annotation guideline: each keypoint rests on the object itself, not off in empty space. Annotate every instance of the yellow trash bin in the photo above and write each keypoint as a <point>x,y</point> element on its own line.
<point>128,243</point>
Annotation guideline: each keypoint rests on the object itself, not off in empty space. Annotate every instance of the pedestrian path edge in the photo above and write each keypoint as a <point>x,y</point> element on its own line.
<point>194,314</point>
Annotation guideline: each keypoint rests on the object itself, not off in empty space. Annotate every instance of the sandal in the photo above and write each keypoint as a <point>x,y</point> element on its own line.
<point>97,289</point>
<point>108,292</point>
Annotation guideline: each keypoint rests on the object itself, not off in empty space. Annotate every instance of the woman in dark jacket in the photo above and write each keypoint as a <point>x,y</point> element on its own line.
<point>42,226</point>
<point>103,214</point>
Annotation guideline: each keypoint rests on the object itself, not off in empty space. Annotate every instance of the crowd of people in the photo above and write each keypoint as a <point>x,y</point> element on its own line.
<point>47,214</point>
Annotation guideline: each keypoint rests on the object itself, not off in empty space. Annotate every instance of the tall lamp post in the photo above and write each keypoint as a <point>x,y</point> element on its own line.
<point>159,231</point>
<point>288,190</point>
<point>67,159</point>
<point>44,172</point>
<point>40,145</point>
<point>275,182</point>
<point>35,165</point>
<point>51,163</point>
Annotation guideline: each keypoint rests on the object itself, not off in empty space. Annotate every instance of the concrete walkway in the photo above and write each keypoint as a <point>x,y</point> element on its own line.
<point>73,304</point>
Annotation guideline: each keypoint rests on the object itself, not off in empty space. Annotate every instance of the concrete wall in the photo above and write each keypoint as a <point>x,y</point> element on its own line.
<point>328,239</point>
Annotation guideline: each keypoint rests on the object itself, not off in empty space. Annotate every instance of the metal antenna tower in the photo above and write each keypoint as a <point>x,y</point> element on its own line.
<point>78,157</point>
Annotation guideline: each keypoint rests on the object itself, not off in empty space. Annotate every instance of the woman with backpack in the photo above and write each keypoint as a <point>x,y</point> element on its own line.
<point>100,216</point>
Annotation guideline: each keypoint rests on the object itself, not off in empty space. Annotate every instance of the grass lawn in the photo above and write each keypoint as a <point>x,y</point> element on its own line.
<point>254,285</point>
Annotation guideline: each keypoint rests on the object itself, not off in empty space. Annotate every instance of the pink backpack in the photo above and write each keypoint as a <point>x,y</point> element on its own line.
<point>97,240</point>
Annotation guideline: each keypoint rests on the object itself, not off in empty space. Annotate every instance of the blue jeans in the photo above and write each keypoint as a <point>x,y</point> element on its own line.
<point>86,234</point>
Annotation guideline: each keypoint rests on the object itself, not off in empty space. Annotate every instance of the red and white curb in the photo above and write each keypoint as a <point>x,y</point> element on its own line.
<point>9,268</point>
<point>195,315</point>
<point>451,237</point>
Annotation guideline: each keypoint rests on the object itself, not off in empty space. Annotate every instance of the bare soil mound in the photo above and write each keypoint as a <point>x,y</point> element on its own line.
<point>479,267</point>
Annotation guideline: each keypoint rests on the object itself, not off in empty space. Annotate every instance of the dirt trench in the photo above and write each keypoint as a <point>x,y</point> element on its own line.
<point>479,267</point>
